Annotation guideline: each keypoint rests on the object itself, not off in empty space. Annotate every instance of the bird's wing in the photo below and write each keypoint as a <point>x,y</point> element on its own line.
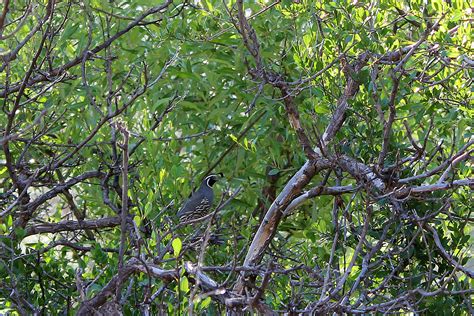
<point>191,203</point>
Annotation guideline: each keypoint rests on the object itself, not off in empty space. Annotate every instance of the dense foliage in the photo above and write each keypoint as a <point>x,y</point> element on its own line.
<point>344,130</point>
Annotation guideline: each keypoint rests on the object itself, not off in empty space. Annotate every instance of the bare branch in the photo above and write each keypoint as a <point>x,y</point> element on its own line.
<point>72,225</point>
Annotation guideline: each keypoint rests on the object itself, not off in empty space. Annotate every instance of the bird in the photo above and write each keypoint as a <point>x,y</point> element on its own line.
<point>199,203</point>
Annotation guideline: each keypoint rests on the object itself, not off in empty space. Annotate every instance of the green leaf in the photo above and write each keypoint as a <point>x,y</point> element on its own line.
<point>184,284</point>
<point>70,30</point>
<point>321,108</point>
<point>205,303</point>
<point>137,219</point>
<point>20,232</point>
<point>177,245</point>
<point>318,92</point>
<point>273,172</point>
<point>162,175</point>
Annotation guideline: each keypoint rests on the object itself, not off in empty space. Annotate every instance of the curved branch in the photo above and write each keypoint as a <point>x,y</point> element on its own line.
<point>446,255</point>
<point>318,191</point>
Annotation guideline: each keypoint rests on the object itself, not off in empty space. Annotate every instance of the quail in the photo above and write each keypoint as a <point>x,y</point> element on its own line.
<point>200,201</point>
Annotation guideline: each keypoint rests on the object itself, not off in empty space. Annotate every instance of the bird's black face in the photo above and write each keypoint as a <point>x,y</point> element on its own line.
<point>210,180</point>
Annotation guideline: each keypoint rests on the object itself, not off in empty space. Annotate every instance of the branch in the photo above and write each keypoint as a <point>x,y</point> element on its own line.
<point>302,177</point>
<point>361,172</point>
<point>351,89</point>
<point>294,118</point>
<point>445,164</point>
<point>446,255</point>
<point>318,191</point>
<point>387,128</point>
<point>88,307</point>
<point>405,192</point>
<point>72,225</point>
<point>274,214</point>
<point>80,216</point>
<point>229,298</point>
<point>453,163</point>
<point>124,213</point>
<point>6,5</point>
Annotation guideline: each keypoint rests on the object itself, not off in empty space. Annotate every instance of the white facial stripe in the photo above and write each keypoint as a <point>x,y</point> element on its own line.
<point>208,178</point>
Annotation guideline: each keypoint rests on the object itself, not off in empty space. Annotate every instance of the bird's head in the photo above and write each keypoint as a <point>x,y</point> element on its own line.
<point>211,179</point>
